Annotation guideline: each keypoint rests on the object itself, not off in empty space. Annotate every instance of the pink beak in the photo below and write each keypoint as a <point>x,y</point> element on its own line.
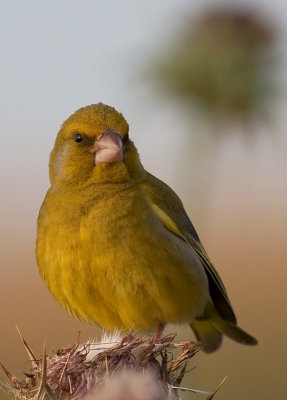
<point>108,148</point>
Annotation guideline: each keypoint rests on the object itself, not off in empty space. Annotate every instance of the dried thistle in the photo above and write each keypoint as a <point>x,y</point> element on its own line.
<point>223,62</point>
<point>123,368</point>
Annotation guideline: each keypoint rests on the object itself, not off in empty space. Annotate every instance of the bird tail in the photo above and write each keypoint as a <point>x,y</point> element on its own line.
<point>210,331</point>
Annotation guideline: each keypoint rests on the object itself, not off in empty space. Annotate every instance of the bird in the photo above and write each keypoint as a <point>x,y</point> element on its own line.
<point>114,243</point>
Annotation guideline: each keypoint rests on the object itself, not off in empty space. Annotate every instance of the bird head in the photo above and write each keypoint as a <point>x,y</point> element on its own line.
<point>93,143</point>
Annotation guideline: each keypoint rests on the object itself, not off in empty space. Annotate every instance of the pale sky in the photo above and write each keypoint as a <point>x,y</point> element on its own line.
<point>57,56</point>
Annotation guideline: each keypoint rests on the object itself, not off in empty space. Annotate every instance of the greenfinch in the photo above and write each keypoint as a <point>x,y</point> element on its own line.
<point>114,243</point>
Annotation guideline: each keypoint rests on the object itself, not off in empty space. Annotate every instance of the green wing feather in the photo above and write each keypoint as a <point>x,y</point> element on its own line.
<point>170,210</point>
<point>218,316</point>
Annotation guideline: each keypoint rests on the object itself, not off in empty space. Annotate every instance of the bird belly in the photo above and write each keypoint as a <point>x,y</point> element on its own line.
<point>121,268</point>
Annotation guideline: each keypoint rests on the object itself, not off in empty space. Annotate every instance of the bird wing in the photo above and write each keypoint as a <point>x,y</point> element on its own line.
<point>168,207</point>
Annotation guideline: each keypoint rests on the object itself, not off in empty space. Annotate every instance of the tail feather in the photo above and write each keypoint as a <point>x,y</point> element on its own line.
<point>232,331</point>
<point>207,334</point>
<point>210,331</point>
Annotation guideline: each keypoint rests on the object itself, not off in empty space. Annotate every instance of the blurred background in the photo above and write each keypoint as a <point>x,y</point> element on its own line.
<point>203,87</point>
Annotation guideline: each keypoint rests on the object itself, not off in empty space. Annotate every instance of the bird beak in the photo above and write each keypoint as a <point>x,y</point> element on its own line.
<point>108,148</point>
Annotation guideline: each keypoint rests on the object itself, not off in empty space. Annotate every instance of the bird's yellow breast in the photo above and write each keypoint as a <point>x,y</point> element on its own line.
<point>107,258</point>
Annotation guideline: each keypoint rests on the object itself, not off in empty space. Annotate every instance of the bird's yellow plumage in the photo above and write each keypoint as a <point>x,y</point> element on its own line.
<point>114,244</point>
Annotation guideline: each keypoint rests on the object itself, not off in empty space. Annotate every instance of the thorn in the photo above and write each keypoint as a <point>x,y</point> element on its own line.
<point>11,377</point>
<point>107,365</point>
<point>210,397</point>
<point>181,374</point>
<point>78,338</point>
<point>7,388</point>
<point>45,392</point>
<point>196,391</point>
<point>44,364</point>
<point>31,355</point>
<point>63,373</point>
<point>70,384</point>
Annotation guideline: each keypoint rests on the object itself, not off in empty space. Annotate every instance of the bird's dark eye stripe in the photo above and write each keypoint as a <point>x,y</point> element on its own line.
<point>78,137</point>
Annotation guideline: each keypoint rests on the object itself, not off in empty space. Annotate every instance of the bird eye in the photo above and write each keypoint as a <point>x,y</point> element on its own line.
<point>78,138</point>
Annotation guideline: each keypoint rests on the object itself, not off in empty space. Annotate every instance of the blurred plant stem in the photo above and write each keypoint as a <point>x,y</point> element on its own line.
<point>222,66</point>
<point>200,153</point>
